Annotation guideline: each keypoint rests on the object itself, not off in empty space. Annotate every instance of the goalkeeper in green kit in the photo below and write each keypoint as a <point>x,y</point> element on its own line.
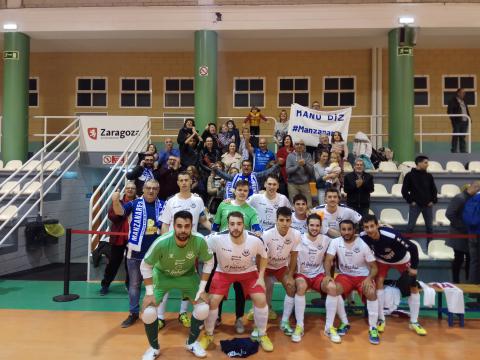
<point>170,264</point>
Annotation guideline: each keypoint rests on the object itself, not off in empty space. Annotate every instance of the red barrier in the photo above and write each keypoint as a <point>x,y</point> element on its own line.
<point>93,232</point>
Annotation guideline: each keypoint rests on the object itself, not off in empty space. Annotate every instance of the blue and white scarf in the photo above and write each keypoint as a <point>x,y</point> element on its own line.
<point>147,174</point>
<point>252,183</point>
<point>138,224</point>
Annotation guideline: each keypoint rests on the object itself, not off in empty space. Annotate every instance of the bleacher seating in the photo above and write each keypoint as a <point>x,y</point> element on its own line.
<point>410,164</point>
<point>474,166</point>
<point>397,190</point>
<point>13,165</point>
<point>379,191</point>
<point>51,165</point>
<point>31,188</point>
<point>441,219</point>
<point>455,167</point>
<point>347,167</point>
<point>10,187</point>
<point>420,220</point>
<point>421,253</point>
<point>1,164</point>
<point>449,190</point>
<point>9,213</point>
<point>388,166</point>
<point>439,251</point>
<point>435,166</point>
<point>392,217</point>
<point>32,165</point>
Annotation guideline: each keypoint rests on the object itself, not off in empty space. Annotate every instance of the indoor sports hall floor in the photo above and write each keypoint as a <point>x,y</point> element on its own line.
<point>35,327</point>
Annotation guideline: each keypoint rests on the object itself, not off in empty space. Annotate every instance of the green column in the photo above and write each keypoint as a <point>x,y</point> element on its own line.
<point>400,98</point>
<point>16,59</point>
<point>205,78</point>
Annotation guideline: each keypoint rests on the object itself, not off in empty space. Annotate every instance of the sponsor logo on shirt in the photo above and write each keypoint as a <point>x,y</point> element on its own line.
<point>190,255</point>
<point>246,252</point>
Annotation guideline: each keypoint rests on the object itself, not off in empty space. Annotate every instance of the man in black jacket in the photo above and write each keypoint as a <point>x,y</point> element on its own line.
<point>420,192</point>
<point>458,106</point>
<point>142,173</point>
<point>358,185</point>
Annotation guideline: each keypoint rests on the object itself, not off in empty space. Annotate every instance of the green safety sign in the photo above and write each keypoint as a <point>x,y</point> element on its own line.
<point>11,55</point>
<point>405,51</point>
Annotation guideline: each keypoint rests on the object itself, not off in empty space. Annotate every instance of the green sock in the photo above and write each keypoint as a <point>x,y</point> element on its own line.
<point>152,334</point>
<point>194,330</point>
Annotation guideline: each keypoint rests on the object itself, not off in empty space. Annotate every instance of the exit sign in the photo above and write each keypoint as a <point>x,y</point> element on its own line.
<point>11,55</point>
<point>405,51</point>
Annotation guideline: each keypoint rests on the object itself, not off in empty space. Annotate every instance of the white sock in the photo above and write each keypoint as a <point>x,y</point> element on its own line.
<point>162,307</point>
<point>372,307</point>
<point>184,306</point>
<point>288,303</point>
<point>210,321</point>
<point>342,314</point>
<point>260,315</point>
<point>300,309</point>
<point>414,305</point>
<point>381,304</point>
<point>331,309</point>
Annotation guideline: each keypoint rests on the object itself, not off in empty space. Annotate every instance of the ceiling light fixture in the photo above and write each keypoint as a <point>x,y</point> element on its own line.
<point>10,26</point>
<point>406,20</point>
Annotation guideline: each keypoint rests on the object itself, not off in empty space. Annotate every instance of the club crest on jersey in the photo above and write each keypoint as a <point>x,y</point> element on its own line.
<point>190,255</point>
<point>288,241</point>
<point>339,219</point>
<point>193,205</point>
<point>246,252</point>
<point>356,250</point>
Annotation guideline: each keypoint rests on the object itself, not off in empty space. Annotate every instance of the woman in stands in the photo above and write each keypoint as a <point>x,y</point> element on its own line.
<point>282,153</point>
<point>233,131</point>
<point>151,150</point>
<point>211,131</point>
<point>185,132</point>
<point>281,128</point>
<point>320,173</point>
<point>339,146</point>
<point>232,157</point>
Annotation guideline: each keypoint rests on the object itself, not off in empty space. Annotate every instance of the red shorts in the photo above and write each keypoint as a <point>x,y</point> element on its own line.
<point>314,283</point>
<point>221,283</point>
<point>350,283</point>
<point>383,268</point>
<point>279,273</point>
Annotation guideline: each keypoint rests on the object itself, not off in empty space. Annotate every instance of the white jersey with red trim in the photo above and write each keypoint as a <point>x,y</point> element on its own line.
<point>333,220</point>
<point>352,258</point>
<point>233,258</point>
<point>279,247</point>
<point>194,205</point>
<point>300,225</point>
<point>266,208</point>
<point>311,255</point>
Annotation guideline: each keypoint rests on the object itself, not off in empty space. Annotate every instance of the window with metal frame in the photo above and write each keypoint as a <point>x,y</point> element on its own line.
<point>339,91</point>
<point>91,92</point>
<point>135,92</point>
<point>33,91</point>
<point>421,87</point>
<point>248,92</point>
<point>293,90</point>
<point>450,84</point>
<point>179,93</point>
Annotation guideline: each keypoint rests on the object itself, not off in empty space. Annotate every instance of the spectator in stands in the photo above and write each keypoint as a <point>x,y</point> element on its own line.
<point>229,184</point>
<point>143,232</point>
<point>118,242</point>
<point>168,177</point>
<point>224,139</point>
<point>420,192</point>
<point>333,172</point>
<point>209,154</point>
<point>151,150</point>
<point>458,106</point>
<point>198,185</point>
<point>190,150</point>
<point>185,132</point>
<point>281,128</point>
<point>282,153</point>
<point>316,105</point>
<point>253,121</point>
<point>323,145</point>
<point>142,172</point>
<point>339,146</point>
<point>261,155</point>
<point>254,179</point>
<point>454,214</point>
<point>358,186</point>
<point>216,188</point>
<point>167,152</point>
<point>211,131</point>
<point>320,175</point>
<point>245,143</point>
<point>362,148</point>
<point>233,132</point>
<point>300,172</point>
<point>232,157</point>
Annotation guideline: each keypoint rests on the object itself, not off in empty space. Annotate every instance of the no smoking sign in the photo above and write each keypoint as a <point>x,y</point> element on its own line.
<point>203,70</point>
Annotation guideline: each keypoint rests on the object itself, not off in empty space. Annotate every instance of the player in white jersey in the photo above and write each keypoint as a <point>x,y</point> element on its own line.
<point>299,216</point>
<point>358,269</point>
<point>268,202</point>
<point>282,242</point>
<point>236,251</point>
<point>184,200</point>
<point>332,213</point>
<point>310,275</point>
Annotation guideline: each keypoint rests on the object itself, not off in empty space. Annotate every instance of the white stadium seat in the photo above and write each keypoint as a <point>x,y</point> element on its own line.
<point>439,251</point>
<point>455,167</point>
<point>347,167</point>
<point>392,217</point>
<point>50,165</point>
<point>410,164</point>
<point>13,165</point>
<point>420,220</point>
<point>8,213</point>
<point>10,187</point>
<point>32,165</point>
<point>441,219</point>
<point>435,166</point>
<point>474,166</point>
<point>387,166</point>
<point>32,188</point>
<point>449,190</point>
<point>1,164</point>
<point>421,253</point>
<point>380,191</point>
<point>397,190</point>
